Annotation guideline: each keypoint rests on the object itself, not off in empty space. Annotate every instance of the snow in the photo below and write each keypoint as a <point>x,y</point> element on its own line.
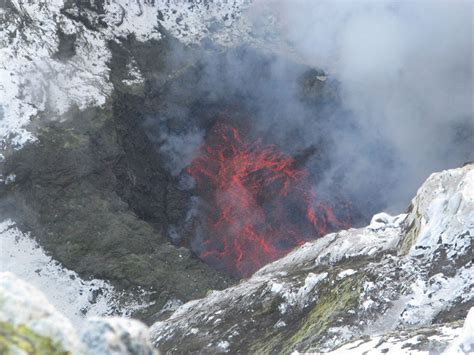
<point>381,221</point>
<point>126,17</point>
<point>437,293</point>
<point>464,343</point>
<point>310,283</point>
<point>446,203</point>
<point>345,273</point>
<point>191,22</point>
<point>226,22</point>
<point>279,324</point>
<point>135,76</point>
<point>299,296</point>
<point>445,206</point>
<point>398,343</point>
<point>223,345</point>
<point>460,340</point>
<point>10,179</point>
<point>34,80</point>
<point>71,295</point>
<point>405,293</point>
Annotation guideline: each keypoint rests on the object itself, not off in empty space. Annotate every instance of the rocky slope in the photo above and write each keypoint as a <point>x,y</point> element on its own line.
<point>384,288</point>
<point>391,279</point>
<point>78,172</point>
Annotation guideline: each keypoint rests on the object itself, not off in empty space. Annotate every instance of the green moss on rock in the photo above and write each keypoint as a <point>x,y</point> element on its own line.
<point>334,304</point>
<point>21,338</point>
<point>306,333</point>
<point>412,232</point>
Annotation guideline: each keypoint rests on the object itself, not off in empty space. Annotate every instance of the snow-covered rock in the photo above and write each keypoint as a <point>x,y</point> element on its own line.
<point>189,21</point>
<point>26,313</point>
<point>37,75</point>
<point>416,341</point>
<point>441,220</point>
<point>455,337</point>
<point>54,54</point>
<point>389,282</point>
<point>29,324</point>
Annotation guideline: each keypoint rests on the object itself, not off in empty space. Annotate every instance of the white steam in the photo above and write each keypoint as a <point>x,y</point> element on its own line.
<point>406,72</point>
<point>402,74</point>
<point>180,149</point>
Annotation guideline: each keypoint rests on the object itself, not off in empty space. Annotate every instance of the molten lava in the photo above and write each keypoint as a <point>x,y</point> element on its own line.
<point>259,205</point>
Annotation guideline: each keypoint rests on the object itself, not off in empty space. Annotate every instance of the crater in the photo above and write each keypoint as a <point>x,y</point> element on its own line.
<point>128,192</point>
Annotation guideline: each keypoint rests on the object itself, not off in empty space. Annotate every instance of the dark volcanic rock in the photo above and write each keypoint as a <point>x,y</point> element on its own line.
<point>87,188</point>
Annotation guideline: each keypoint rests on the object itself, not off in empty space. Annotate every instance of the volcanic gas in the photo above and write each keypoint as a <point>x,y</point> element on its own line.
<point>258,203</point>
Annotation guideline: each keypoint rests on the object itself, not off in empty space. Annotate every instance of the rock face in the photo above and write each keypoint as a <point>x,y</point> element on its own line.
<point>401,274</point>
<point>78,172</point>
<point>89,185</point>
<point>29,324</point>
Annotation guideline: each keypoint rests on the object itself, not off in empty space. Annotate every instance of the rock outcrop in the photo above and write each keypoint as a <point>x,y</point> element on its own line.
<point>399,274</point>
<point>77,169</point>
<point>29,324</point>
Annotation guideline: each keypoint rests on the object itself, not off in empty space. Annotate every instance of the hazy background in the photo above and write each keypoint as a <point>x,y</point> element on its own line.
<point>406,72</point>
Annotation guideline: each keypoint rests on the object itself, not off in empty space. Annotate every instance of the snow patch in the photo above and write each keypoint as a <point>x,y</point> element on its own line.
<point>464,343</point>
<point>446,205</point>
<point>438,293</point>
<point>127,17</point>
<point>223,345</point>
<point>71,295</point>
<point>345,273</point>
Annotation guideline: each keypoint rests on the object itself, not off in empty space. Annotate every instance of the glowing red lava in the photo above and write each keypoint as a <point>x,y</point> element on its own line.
<point>259,205</point>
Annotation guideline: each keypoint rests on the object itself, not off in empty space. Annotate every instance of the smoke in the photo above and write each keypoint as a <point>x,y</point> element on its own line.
<point>396,106</point>
<point>405,70</point>
<point>180,149</point>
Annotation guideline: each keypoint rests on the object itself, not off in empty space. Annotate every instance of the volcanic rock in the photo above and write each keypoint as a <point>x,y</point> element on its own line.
<point>354,283</point>
<point>89,197</point>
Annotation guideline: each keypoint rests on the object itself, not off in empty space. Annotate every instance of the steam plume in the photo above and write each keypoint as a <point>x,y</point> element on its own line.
<point>403,73</point>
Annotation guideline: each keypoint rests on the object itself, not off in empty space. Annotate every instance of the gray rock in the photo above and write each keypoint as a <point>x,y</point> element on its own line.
<point>30,324</point>
<point>116,336</point>
<point>346,285</point>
